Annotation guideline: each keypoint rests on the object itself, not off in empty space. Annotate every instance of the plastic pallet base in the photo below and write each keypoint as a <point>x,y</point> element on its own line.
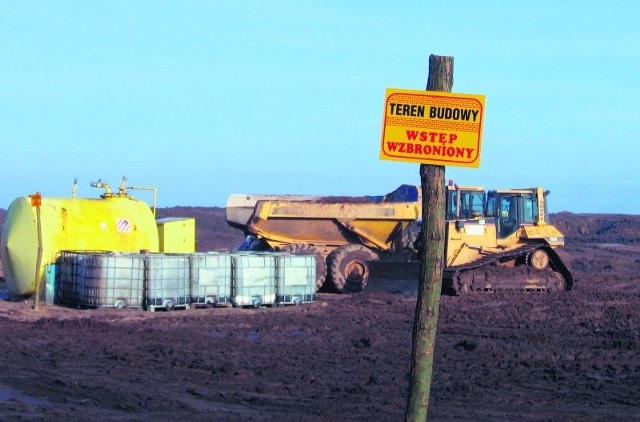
<point>210,305</point>
<point>92,306</point>
<point>294,299</point>
<point>167,308</point>
<point>210,302</point>
<point>262,305</point>
<point>167,304</point>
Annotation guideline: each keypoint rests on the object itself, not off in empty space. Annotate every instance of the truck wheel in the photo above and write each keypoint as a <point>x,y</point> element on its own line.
<point>304,249</point>
<point>349,267</point>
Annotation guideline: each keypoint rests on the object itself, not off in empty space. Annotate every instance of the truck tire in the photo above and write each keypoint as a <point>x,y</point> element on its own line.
<point>305,249</point>
<point>349,268</point>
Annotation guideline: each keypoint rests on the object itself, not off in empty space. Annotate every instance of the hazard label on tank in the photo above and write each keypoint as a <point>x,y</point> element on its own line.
<point>123,225</point>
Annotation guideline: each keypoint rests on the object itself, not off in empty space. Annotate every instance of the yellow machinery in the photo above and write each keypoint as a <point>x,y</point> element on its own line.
<point>115,222</point>
<point>177,235</point>
<point>501,240</point>
<point>344,233</point>
<point>486,232</point>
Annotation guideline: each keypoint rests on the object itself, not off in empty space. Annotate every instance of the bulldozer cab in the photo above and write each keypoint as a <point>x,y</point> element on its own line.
<point>468,231</point>
<point>513,209</point>
<point>479,222</point>
<point>465,202</point>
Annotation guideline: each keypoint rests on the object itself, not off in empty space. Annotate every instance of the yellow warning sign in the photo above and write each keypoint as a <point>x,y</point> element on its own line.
<point>432,127</point>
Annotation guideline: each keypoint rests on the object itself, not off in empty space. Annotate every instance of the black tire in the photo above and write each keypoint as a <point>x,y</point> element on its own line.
<point>305,249</point>
<point>349,268</point>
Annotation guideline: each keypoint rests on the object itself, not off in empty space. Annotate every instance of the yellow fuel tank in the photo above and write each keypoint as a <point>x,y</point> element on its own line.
<point>118,224</point>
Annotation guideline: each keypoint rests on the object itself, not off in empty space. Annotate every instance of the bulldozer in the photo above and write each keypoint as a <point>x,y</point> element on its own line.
<point>495,240</point>
<point>502,240</point>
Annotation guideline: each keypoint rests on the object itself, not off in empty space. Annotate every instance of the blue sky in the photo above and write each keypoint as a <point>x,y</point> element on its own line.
<point>202,99</point>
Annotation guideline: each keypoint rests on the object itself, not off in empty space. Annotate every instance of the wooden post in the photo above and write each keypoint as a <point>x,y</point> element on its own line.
<point>36,201</point>
<point>432,262</point>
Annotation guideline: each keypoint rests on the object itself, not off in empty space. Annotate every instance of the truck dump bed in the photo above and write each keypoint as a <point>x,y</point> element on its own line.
<point>329,221</point>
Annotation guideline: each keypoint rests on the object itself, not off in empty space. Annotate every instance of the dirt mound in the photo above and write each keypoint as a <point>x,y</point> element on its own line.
<point>598,228</point>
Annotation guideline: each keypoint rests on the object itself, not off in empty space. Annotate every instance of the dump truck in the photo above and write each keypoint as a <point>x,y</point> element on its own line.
<point>495,240</point>
<point>344,233</point>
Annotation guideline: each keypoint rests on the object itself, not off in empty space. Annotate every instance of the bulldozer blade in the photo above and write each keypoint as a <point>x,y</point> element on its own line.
<point>394,277</point>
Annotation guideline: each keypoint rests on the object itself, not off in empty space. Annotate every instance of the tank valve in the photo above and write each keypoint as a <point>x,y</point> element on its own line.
<point>100,185</point>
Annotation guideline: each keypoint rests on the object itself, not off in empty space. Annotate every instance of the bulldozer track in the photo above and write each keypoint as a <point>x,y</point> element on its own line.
<point>508,271</point>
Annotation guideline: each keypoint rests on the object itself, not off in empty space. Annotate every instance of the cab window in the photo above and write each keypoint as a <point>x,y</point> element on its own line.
<point>452,205</point>
<point>491,206</point>
<point>529,209</point>
<point>508,215</point>
<point>471,204</point>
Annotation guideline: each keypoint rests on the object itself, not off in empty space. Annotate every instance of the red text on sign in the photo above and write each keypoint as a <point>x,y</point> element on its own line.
<point>441,137</point>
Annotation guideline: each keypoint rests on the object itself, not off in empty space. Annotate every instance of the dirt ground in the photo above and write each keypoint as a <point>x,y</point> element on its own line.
<point>499,357</point>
